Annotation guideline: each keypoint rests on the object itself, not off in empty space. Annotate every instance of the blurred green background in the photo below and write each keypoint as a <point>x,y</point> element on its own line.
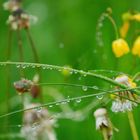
<point>65,34</point>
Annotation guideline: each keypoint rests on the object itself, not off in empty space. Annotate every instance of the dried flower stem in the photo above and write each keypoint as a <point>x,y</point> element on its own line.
<point>35,56</point>
<point>32,46</point>
<point>104,133</point>
<point>132,125</point>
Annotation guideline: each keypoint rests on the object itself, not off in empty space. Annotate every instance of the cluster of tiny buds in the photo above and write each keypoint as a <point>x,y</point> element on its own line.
<point>18,19</point>
<point>25,85</point>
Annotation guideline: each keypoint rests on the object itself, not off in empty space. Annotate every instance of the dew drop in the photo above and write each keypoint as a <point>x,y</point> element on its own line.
<point>84,88</point>
<point>78,100</point>
<point>43,67</point>
<point>50,106</point>
<point>18,66</point>
<point>100,97</point>
<point>38,109</point>
<point>19,125</point>
<point>95,87</point>
<point>64,102</point>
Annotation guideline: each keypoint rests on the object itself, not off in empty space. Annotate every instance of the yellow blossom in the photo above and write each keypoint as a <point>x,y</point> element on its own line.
<point>136,47</point>
<point>136,17</point>
<point>124,29</point>
<point>120,47</point>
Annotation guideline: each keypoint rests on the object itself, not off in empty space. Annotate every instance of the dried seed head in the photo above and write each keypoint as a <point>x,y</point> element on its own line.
<point>121,104</point>
<point>101,118</point>
<point>37,123</point>
<point>12,5</point>
<point>35,91</point>
<point>23,85</point>
<point>103,122</point>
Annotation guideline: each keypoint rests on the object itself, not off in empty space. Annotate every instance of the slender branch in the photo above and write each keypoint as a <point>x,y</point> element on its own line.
<point>60,68</point>
<point>71,99</point>
<point>114,25</point>
<point>32,46</point>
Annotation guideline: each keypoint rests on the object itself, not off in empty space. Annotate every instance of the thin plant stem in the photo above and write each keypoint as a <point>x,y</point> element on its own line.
<point>20,57</point>
<point>8,56</point>
<point>32,44</point>
<point>60,68</point>
<point>70,99</point>
<point>114,25</point>
<point>104,133</point>
<point>132,126</point>
<point>8,77</point>
<point>20,50</point>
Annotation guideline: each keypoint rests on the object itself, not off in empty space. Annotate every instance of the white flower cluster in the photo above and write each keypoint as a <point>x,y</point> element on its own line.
<point>18,18</point>
<point>37,124</point>
<point>119,106</point>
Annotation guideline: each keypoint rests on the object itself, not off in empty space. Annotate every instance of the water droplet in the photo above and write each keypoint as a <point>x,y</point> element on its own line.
<point>95,87</point>
<point>57,104</point>
<point>50,106</point>
<point>78,100</point>
<point>64,102</point>
<point>43,67</point>
<point>84,88</point>
<point>23,66</point>
<point>18,66</point>
<point>19,125</point>
<point>38,109</point>
<point>100,97</point>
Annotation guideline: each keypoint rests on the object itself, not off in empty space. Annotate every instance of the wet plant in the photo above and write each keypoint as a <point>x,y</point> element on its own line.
<point>37,100</point>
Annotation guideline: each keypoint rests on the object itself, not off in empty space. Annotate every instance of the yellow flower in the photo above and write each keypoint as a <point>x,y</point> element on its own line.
<point>124,29</point>
<point>120,47</point>
<point>136,47</point>
<point>136,17</point>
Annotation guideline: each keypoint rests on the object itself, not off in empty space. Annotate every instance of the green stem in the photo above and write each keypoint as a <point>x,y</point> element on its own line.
<point>60,68</point>
<point>114,25</point>
<point>132,126</point>
<point>68,100</point>
<point>104,132</point>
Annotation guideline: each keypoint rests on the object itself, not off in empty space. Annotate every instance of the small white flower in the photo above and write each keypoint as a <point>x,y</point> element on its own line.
<point>37,124</point>
<point>121,104</point>
<point>103,121</point>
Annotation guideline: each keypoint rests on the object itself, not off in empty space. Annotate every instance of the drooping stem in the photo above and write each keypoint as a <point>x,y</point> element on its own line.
<point>133,126</point>
<point>114,25</point>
